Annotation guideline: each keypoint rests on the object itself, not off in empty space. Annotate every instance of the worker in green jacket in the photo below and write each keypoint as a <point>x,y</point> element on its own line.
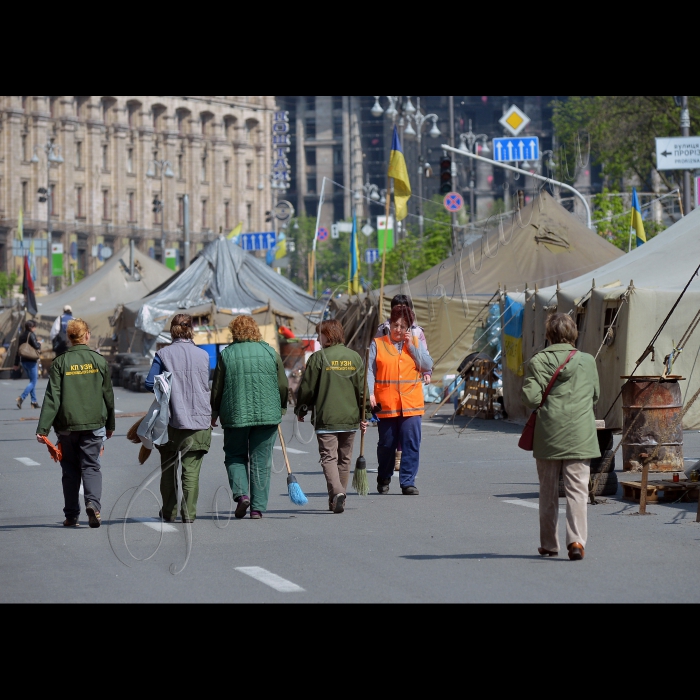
<point>566,439</point>
<point>249,394</point>
<point>79,405</point>
<point>332,388</point>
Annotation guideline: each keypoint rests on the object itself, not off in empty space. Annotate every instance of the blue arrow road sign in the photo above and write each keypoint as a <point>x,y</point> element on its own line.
<point>258,241</point>
<point>514,150</point>
<point>371,256</point>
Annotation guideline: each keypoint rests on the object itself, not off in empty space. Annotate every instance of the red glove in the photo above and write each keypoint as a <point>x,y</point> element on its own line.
<point>56,452</point>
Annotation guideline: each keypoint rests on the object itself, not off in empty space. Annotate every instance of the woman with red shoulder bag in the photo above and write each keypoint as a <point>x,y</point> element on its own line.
<point>562,385</point>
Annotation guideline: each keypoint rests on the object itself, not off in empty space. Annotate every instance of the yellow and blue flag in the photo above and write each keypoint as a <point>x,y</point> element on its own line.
<point>513,333</point>
<point>637,221</point>
<point>354,276</point>
<point>236,232</point>
<point>402,184</point>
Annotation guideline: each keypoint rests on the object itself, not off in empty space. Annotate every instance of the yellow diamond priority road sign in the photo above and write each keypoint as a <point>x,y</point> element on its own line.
<point>515,120</point>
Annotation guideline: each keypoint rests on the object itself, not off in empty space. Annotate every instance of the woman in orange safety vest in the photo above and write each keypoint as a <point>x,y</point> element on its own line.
<point>397,364</point>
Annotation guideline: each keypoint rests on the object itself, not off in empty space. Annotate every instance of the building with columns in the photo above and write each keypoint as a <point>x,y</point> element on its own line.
<point>113,156</point>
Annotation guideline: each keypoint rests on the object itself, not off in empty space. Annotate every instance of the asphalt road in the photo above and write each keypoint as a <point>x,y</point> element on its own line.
<point>471,537</point>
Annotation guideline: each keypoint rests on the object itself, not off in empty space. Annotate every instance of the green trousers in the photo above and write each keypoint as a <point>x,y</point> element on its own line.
<point>246,448</point>
<point>187,447</point>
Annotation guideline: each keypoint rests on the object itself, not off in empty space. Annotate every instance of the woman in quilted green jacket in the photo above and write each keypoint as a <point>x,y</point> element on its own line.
<point>249,394</point>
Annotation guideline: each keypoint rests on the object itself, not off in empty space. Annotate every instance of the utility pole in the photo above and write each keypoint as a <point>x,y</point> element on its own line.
<point>685,131</point>
<point>454,171</point>
<point>186,222</point>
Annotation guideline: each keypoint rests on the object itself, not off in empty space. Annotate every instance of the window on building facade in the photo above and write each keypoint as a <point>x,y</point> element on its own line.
<point>311,184</point>
<point>205,222</point>
<point>311,103</point>
<point>337,155</point>
<point>78,154</point>
<point>24,102</point>
<point>227,172</point>
<point>130,161</point>
<point>105,205</point>
<point>183,116</point>
<point>337,127</point>
<point>133,109</point>
<point>107,107</point>
<point>310,128</point>
<point>181,166</point>
<point>158,114</point>
<point>80,103</point>
<point>79,202</point>
<point>105,157</point>
<point>337,102</point>
<point>25,152</point>
<point>311,156</point>
<point>52,200</point>
<point>53,112</point>
<point>181,211</point>
<point>132,206</point>
<point>249,175</point>
<point>249,216</point>
<point>25,191</point>
<point>203,174</point>
<point>227,216</point>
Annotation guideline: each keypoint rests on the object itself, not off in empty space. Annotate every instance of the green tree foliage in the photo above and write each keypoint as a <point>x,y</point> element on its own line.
<point>7,284</point>
<point>613,218</point>
<point>622,131</point>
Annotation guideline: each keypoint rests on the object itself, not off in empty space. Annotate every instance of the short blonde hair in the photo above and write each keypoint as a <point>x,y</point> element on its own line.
<point>244,329</point>
<point>77,331</point>
<point>561,329</point>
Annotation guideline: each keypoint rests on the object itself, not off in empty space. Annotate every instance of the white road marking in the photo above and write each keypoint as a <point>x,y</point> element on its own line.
<point>291,450</point>
<point>155,524</point>
<point>28,462</point>
<point>82,490</point>
<point>281,585</point>
<point>534,506</point>
<point>116,410</point>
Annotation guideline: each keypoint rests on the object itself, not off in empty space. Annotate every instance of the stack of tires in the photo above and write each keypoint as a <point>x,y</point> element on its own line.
<point>603,476</point>
<point>130,371</point>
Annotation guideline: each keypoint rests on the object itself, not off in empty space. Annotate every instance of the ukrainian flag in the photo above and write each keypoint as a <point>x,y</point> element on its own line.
<point>513,333</point>
<point>637,221</point>
<point>402,184</point>
<point>354,276</point>
<point>236,232</point>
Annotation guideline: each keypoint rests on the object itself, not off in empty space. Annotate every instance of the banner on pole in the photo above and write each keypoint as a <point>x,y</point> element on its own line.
<point>57,259</point>
<point>382,230</point>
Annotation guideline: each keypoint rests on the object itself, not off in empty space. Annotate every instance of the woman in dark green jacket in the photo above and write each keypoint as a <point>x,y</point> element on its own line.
<point>332,388</point>
<point>566,439</point>
<point>249,394</point>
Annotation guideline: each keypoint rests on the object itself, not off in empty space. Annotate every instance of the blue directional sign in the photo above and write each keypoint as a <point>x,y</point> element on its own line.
<point>518,149</point>
<point>371,256</point>
<point>258,241</point>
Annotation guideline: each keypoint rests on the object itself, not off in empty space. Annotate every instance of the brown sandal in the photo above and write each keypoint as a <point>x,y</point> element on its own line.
<point>547,553</point>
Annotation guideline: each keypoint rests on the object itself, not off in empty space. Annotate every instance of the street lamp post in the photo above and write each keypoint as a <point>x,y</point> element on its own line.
<point>166,170</point>
<point>469,144</point>
<point>373,192</point>
<point>420,120</point>
<point>53,157</point>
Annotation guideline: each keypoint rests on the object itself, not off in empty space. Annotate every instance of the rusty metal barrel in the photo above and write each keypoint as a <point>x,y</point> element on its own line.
<point>652,408</point>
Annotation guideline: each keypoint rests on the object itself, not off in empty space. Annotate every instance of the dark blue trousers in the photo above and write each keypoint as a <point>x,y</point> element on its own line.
<point>407,433</point>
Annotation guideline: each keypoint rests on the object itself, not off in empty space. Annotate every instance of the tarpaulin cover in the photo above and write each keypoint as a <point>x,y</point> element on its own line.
<point>229,278</point>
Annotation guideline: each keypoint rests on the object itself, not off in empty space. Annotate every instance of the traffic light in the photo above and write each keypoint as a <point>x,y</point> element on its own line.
<point>157,205</point>
<point>268,217</point>
<point>43,194</point>
<point>446,176</point>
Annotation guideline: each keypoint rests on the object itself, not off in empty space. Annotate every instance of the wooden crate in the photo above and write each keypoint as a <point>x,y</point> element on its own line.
<point>479,392</point>
<point>662,492</point>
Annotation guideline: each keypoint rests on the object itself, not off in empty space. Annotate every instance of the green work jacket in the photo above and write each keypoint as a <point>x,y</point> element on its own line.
<point>79,395</point>
<point>250,386</point>
<point>566,428</point>
<point>332,388</point>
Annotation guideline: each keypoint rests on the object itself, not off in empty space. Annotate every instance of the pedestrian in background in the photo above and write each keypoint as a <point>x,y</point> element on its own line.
<point>397,365</point>
<point>189,428</point>
<point>249,394</point>
<point>79,405</point>
<point>29,363</point>
<point>566,438</point>
<point>332,389</point>
<point>59,331</point>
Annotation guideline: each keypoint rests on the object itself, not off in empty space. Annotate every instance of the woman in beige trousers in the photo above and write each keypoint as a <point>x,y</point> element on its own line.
<point>566,438</point>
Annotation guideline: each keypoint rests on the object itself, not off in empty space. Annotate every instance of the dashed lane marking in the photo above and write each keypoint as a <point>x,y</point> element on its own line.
<point>116,410</point>
<point>291,450</point>
<point>27,462</point>
<point>280,584</point>
<point>534,506</point>
<point>155,524</point>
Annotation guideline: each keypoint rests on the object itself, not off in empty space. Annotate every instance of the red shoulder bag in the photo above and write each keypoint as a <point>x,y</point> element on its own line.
<point>527,441</point>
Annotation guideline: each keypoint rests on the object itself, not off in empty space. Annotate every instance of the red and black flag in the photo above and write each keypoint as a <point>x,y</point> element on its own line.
<point>28,289</point>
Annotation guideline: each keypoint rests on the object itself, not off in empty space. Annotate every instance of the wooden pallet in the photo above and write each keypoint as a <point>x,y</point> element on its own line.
<point>479,392</point>
<point>661,492</point>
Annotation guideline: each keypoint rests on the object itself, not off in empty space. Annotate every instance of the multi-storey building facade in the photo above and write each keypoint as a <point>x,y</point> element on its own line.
<point>119,154</point>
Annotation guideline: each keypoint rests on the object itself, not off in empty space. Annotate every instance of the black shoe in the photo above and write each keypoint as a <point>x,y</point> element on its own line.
<point>187,522</point>
<point>71,522</point>
<point>35,405</point>
<point>242,509</point>
<point>410,491</point>
<point>164,519</point>
<point>383,486</point>
<point>94,517</point>
<point>339,503</point>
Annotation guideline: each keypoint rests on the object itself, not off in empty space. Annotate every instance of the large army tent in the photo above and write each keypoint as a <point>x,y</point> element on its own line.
<point>630,297</point>
<point>95,297</point>
<point>542,243</point>
<point>223,281</point>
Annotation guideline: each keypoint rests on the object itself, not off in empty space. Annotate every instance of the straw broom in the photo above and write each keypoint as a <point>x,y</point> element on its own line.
<point>295,493</point>
<point>359,478</point>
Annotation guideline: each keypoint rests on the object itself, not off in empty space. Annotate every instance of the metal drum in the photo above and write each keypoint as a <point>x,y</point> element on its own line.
<point>651,409</point>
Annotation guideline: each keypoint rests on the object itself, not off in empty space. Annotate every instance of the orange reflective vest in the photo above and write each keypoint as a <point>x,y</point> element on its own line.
<point>398,385</point>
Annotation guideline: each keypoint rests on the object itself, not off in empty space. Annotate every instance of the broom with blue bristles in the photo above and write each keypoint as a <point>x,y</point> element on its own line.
<point>295,493</point>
